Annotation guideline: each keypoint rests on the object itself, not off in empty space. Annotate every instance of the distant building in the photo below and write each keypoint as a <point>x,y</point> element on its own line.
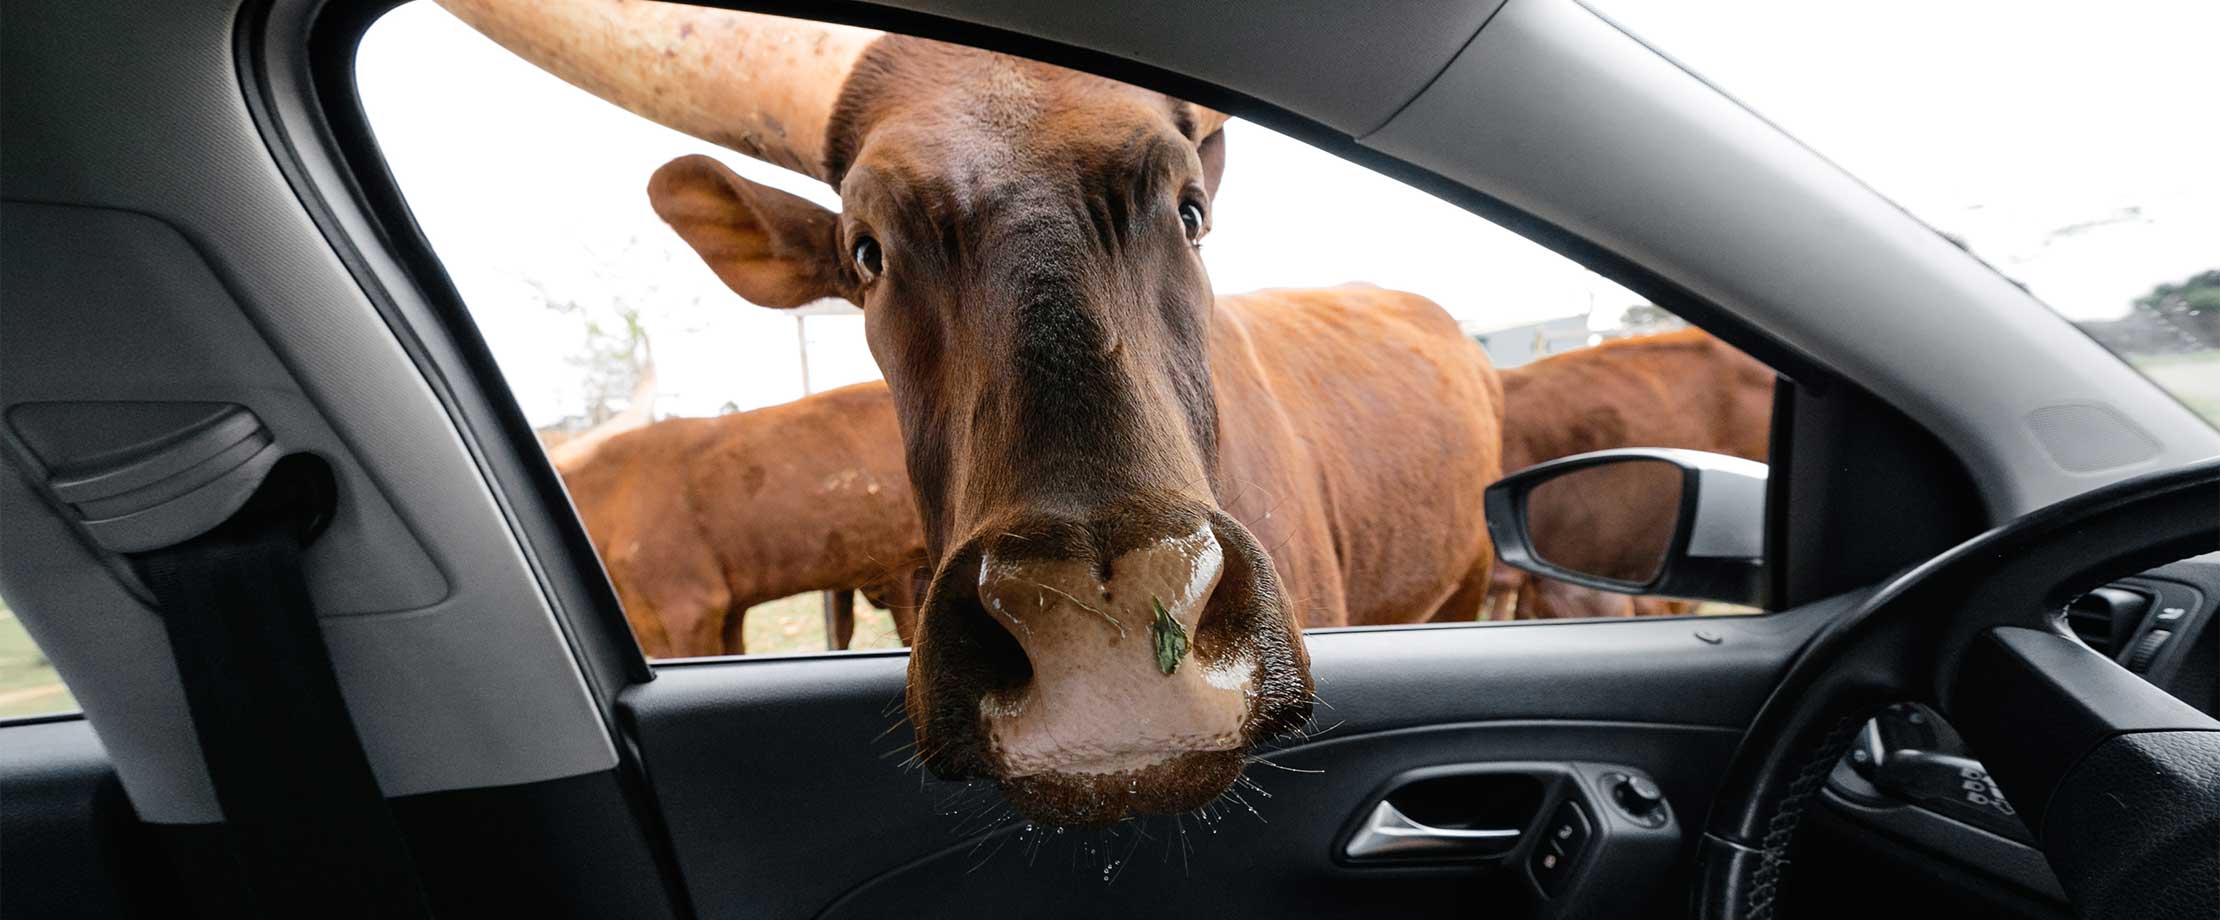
<point>1512,346</point>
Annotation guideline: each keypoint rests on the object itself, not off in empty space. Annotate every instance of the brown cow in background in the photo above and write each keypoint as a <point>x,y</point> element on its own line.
<point>698,519</point>
<point>1681,389</point>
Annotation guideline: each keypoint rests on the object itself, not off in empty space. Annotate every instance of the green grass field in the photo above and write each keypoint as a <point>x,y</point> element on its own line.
<point>2193,378</point>
<point>28,685</point>
<point>797,624</point>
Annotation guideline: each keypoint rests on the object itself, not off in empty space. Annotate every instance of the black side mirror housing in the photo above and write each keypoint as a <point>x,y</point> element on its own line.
<point>1678,523</point>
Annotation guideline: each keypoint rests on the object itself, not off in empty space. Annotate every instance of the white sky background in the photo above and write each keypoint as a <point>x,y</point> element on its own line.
<point>2001,122</point>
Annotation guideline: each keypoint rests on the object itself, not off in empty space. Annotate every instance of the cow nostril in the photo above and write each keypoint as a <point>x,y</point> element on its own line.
<point>990,646</point>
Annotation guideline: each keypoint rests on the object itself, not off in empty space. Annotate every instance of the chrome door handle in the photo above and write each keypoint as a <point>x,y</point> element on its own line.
<point>1391,834</point>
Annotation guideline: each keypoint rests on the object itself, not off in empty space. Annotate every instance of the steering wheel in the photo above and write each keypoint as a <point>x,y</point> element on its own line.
<point>2118,780</point>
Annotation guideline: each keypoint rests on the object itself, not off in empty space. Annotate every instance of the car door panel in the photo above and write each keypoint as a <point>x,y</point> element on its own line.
<point>786,791</point>
<point>62,806</point>
<point>1274,852</point>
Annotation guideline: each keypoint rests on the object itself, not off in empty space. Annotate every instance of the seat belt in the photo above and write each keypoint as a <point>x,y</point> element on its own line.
<point>303,815</point>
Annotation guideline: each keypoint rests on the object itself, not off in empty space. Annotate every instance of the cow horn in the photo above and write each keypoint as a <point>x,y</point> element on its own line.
<point>760,85</point>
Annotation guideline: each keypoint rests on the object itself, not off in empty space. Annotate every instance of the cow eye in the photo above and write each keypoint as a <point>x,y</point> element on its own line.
<point>1191,219</point>
<point>868,259</point>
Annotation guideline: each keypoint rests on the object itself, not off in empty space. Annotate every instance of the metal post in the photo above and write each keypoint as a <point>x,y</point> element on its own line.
<point>801,347</point>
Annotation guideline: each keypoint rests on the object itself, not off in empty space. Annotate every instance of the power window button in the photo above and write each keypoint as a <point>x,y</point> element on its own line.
<point>1568,829</point>
<point>1549,866</point>
<point>1564,838</point>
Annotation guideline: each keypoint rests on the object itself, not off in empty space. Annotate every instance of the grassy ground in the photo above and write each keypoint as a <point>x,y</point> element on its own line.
<point>28,686</point>
<point>2193,378</point>
<point>797,624</point>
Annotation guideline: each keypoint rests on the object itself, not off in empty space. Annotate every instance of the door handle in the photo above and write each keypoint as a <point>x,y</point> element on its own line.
<point>1391,834</point>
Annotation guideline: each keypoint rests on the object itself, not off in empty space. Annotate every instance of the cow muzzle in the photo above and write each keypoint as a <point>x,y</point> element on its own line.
<point>1116,685</point>
<point>1134,672</point>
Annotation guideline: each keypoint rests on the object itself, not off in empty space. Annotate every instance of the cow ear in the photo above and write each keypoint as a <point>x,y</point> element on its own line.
<point>770,247</point>
<point>1213,153</point>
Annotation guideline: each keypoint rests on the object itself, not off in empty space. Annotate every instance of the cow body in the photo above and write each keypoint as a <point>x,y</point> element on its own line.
<point>1681,389</point>
<point>1358,430</point>
<point>698,519</point>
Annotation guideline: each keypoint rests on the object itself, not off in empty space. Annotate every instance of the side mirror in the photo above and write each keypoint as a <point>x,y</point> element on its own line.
<point>1681,523</point>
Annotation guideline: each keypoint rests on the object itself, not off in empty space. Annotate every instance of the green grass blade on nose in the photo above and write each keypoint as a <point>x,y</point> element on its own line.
<point>1171,638</point>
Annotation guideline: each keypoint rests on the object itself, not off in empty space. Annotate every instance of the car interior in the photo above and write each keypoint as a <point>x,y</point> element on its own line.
<point>1988,550</point>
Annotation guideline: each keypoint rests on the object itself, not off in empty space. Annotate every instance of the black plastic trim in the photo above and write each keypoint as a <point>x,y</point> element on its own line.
<point>2006,860</point>
<point>2047,701</point>
<point>70,715</point>
<point>1858,492</point>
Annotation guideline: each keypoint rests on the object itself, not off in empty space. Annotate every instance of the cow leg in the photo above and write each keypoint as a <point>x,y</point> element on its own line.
<point>1662,607</point>
<point>1504,586</point>
<point>1500,605</point>
<point>733,634</point>
<point>898,596</point>
<point>905,622</point>
<point>1467,603</point>
<point>1550,599</point>
<point>907,599</point>
<point>840,618</point>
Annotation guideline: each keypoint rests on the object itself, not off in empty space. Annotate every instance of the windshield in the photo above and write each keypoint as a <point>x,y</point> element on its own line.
<point>2071,147</point>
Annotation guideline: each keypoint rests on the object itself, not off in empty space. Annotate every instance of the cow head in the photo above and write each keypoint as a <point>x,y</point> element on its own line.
<point>1099,637</point>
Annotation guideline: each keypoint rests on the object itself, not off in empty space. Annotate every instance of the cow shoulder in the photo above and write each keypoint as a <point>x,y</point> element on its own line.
<point>1397,418</point>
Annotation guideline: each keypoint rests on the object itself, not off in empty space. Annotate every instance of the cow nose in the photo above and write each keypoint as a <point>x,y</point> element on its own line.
<point>1116,683</point>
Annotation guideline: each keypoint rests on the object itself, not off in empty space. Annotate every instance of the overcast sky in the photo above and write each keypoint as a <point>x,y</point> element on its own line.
<point>2070,145</point>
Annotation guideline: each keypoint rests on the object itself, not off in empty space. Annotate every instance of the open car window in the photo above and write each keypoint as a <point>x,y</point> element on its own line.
<point>28,684</point>
<point>734,464</point>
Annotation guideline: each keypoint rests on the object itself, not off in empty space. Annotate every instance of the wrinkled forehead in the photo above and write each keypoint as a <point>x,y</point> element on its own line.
<point>956,173</point>
<point>959,125</point>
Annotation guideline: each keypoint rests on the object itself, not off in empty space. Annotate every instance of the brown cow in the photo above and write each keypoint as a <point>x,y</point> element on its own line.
<point>1681,389</point>
<point>698,519</point>
<point>1103,635</point>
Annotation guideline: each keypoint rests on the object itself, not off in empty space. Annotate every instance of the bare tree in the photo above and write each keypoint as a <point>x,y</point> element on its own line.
<point>612,358</point>
<point>614,362</point>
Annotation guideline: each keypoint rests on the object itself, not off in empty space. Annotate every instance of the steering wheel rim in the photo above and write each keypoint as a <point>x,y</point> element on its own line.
<point>2062,729</point>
